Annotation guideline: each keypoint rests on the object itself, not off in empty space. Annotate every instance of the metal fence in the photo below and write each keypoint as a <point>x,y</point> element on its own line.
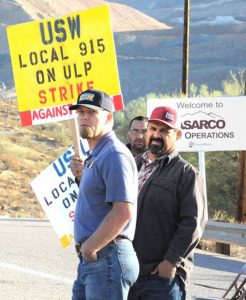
<point>232,234</point>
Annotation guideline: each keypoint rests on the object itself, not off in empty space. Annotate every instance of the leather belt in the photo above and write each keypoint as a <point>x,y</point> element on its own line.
<point>117,239</point>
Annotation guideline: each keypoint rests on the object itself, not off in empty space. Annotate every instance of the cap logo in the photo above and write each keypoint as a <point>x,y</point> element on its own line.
<point>87,96</point>
<point>169,116</point>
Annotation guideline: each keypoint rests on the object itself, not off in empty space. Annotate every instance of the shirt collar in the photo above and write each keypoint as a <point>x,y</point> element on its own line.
<point>103,140</point>
<point>166,158</point>
<point>173,154</point>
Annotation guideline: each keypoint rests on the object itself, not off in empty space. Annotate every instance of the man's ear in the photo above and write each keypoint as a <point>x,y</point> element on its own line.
<point>109,117</point>
<point>178,134</point>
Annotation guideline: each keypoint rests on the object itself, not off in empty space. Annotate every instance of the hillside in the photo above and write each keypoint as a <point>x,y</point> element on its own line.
<point>24,153</point>
<point>135,19</point>
<point>149,53</point>
<point>206,12</point>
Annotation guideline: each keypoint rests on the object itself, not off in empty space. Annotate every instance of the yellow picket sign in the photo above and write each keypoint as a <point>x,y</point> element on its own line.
<point>55,59</point>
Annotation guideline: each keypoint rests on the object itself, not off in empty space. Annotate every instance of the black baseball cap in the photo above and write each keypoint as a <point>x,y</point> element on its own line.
<point>94,99</point>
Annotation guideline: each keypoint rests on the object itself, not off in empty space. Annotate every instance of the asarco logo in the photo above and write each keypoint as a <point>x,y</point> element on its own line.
<point>201,129</point>
<point>215,122</point>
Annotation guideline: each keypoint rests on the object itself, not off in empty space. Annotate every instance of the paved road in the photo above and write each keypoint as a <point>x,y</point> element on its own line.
<point>33,265</point>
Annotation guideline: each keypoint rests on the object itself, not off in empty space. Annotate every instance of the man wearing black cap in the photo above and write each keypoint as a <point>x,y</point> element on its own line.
<point>172,213</point>
<point>105,213</point>
<point>137,144</point>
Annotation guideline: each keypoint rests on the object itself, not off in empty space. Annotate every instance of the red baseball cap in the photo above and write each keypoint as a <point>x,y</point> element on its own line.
<point>164,114</point>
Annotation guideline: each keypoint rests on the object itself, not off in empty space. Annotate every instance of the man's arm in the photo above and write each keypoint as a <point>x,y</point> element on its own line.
<point>192,217</point>
<point>112,225</point>
<point>191,222</point>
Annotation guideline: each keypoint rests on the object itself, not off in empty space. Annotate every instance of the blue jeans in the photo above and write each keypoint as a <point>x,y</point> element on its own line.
<point>154,287</point>
<point>110,276</point>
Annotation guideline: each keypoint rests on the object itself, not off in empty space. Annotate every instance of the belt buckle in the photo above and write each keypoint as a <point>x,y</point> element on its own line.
<point>119,238</point>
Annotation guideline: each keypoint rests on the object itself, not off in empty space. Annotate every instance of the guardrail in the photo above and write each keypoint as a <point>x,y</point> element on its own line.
<point>219,232</point>
<point>226,233</point>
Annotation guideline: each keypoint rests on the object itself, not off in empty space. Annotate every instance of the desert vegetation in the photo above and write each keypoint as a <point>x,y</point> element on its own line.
<point>222,168</point>
<point>26,151</point>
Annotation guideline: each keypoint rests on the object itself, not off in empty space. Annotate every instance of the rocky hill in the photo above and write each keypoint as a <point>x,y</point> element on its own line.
<point>50,9</point>
<point>149,39</point>
<point>217,34</point>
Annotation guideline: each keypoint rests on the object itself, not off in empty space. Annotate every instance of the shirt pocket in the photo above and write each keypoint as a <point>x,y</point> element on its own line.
<point>164,189</point>
<point>164,183</point>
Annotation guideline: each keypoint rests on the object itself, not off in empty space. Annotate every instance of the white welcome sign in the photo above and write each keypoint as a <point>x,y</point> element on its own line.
<point>208,124</point>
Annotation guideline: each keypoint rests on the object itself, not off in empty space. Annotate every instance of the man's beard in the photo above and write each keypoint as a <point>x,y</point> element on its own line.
<point>86,133</point>
<point>157,149</point>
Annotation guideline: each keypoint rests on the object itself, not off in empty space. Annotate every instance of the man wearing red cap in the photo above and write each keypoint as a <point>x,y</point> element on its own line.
<point>172,213</point>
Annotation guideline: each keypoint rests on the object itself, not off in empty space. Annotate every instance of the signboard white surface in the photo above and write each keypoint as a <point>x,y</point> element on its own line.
<point>57,192</point>
<point>208,124</point>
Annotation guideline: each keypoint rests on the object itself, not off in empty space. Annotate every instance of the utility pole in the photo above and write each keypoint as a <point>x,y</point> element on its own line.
<point>186,41</point>
<point>241,207</point>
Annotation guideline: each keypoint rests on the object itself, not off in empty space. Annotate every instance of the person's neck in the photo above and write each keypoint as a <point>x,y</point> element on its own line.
<point>151,156</point>
<point>136,152</point>
<point>93,142</point>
